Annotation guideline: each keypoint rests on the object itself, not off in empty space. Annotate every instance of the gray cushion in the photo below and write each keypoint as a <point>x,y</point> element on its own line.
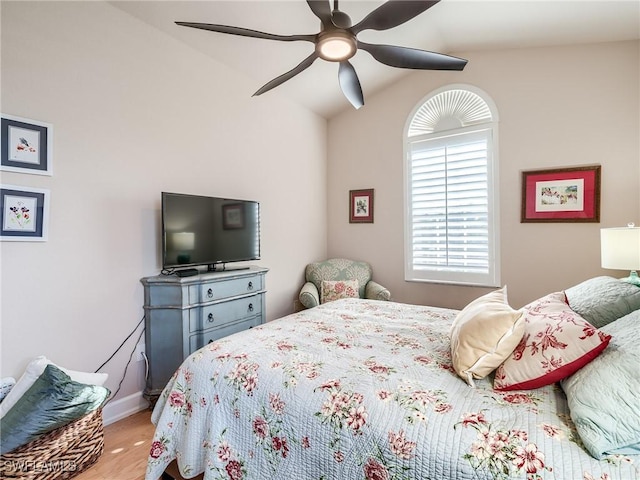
<point>602,300</point>
<point>54,400</point>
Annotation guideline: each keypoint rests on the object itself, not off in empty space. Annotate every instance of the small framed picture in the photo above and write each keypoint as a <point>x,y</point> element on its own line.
<point>232,216</point>
<point>24,213</point>
<point>27,146</point>
<point>361,206</point>
<point>561,195</point>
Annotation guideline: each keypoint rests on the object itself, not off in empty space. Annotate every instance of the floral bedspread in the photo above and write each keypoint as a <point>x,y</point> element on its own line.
<point>359,389</point>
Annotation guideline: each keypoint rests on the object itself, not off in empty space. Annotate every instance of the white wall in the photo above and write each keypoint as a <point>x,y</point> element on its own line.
<point>558,107</point>
<point>136,113</point>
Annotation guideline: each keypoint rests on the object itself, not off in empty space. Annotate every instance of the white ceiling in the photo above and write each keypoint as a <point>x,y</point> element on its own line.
<point>448,27</point>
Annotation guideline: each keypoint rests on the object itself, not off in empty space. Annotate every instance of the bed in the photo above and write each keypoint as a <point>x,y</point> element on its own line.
<point>365,389</point>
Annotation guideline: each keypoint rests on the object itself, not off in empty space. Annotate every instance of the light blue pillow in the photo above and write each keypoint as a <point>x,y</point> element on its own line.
<point>602,300</point>
<point>604,395</point>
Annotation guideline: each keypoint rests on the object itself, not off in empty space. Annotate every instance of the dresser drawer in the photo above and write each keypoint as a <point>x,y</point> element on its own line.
<point>219,314</point>
<point>201,339</point>
<point>240,286</point>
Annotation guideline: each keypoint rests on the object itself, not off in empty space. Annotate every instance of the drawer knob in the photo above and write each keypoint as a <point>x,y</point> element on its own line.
<point>250,307</point>
<point>210,293</point>
<point>210,317</point>
<point>250,286</point>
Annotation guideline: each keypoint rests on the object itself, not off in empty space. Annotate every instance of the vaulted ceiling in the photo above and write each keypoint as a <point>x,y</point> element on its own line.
<point>448,27</point>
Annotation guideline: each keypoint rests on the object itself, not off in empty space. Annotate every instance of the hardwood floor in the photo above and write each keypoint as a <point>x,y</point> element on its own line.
<point>126,447</point>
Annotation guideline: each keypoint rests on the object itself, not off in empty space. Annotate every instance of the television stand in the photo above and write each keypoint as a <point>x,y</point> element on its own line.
<point>185,314</point>
<point>222,267</point>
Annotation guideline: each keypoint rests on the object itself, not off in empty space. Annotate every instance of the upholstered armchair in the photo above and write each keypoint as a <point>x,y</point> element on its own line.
<point>342,271</point>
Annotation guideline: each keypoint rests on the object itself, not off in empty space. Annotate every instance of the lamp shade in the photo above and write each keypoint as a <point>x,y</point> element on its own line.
<point>184,240</point>
<point>620,248</point>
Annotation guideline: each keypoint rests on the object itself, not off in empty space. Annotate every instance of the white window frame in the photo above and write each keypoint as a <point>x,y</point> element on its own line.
<point>437,275</point>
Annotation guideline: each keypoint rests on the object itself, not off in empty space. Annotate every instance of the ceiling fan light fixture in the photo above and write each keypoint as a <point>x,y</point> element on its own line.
<point>336,42</point>
<point>336,46</point>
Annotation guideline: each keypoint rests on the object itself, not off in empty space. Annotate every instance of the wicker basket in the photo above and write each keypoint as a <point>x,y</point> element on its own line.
<point>60,454</point>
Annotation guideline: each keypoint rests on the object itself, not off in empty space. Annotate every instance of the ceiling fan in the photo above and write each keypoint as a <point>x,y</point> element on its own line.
<point>337,42</point>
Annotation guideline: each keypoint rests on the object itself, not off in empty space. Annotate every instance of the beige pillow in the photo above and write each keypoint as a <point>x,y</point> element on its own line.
<point>484,334</point>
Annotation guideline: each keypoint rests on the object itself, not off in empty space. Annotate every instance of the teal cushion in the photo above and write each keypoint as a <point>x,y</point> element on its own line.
<point>602,300</point>
<point>603,395</point>
<point>54,400</point>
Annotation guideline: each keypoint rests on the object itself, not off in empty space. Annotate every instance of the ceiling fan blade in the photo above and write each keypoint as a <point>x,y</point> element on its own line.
<point>322,10</point>
<point>350,84</point>
<point>404,57</point>
<point>245,32</point>
<point>392,13</point>
<point>306,63</point>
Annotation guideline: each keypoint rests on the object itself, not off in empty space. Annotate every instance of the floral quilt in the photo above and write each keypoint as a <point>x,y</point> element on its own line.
<point>360,390</point>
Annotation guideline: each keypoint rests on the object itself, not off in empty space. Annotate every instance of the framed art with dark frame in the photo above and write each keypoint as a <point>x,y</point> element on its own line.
<point>27,146</point>
<point>24,213</point>
<point>561,195</point>
<point>361,206</point>
<point>232,216</point>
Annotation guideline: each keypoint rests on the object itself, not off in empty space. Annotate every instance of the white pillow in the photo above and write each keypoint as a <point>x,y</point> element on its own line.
<point>484,334</point>
<point>34,370</point>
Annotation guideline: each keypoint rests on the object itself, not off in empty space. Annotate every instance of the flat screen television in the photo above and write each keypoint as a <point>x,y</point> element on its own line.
<point>199,230</point>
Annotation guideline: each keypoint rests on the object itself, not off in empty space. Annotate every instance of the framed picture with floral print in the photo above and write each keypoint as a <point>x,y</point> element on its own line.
<point>561,195</point>
<point>361,206</point>
<point>27,145</point>
<point>24,213</point>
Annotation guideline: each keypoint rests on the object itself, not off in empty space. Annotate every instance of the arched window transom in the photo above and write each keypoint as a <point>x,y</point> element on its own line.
<point>448,110</point>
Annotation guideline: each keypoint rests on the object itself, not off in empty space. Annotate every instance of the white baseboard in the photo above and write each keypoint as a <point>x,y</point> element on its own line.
<point>119,409</point>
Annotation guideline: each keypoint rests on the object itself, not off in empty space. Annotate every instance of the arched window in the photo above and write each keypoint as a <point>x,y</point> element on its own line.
<point>451,178</point>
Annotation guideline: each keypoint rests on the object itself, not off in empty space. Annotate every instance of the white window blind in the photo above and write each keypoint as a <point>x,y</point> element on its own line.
<point>449,205</point>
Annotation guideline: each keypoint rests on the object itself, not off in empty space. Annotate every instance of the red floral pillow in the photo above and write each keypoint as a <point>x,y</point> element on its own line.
<point>557,342</point>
